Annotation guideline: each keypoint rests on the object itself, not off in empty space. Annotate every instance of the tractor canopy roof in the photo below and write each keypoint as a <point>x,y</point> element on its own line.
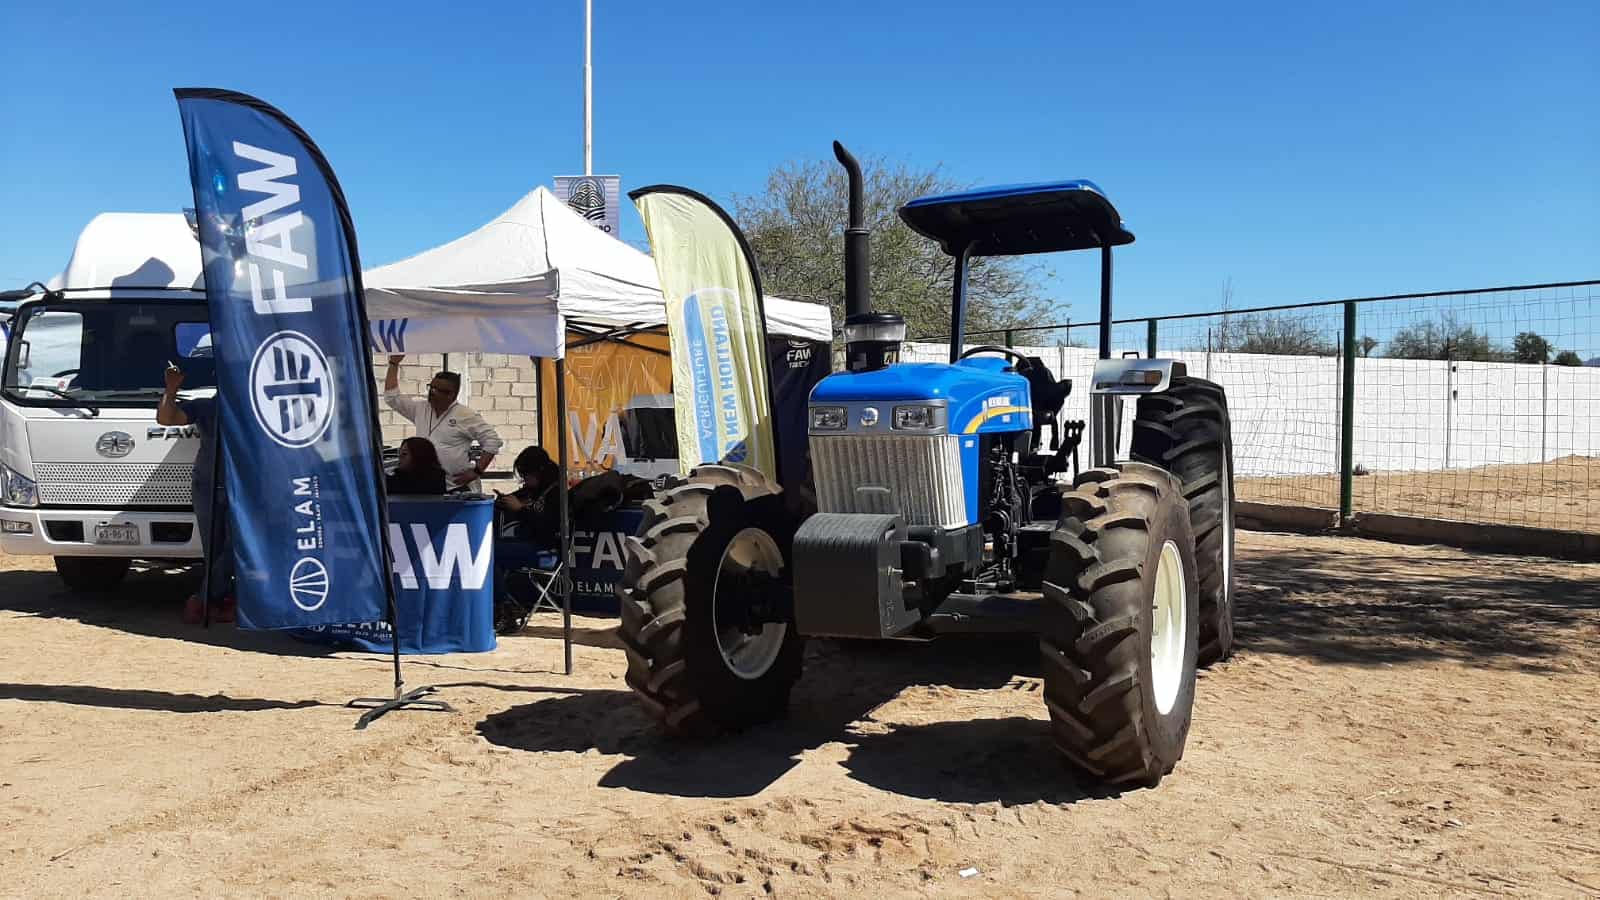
<point>1014,219</point>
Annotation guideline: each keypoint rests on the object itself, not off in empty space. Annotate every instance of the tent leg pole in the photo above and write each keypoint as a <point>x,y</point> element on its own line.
<point>566,523</point>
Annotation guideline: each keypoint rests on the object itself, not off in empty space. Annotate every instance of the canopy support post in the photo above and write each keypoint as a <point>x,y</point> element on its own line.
<point>564,583</point>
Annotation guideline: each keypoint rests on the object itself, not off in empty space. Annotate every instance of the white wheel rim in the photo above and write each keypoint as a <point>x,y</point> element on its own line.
<point>749,656</point>
<point>1227,543</point>
<point>1169,628</point>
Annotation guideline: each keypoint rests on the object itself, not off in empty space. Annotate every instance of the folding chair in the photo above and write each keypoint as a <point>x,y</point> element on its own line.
<point>526,590</point>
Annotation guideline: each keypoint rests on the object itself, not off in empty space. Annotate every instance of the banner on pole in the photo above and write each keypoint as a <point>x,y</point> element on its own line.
<point>297,414</point>
<point>597,198</point>
<point>796,366</point>
<point>717,330</point>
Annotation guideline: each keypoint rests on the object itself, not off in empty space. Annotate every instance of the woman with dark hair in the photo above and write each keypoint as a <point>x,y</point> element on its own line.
<point>535,510</point>
<point>535,506</point>
<point>419,471</point>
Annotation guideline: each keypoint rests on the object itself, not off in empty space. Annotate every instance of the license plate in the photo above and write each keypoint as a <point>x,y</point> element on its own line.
<point>116,534</point>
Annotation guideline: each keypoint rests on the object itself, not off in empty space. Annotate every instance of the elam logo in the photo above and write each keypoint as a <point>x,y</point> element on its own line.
<point>453,562</point>
<point>308,584</point>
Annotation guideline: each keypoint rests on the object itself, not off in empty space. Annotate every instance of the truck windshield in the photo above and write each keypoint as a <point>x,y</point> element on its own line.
<point>105,352</point>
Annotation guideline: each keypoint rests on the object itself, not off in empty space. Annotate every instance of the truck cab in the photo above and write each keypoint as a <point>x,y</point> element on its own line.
<point>87,476</point>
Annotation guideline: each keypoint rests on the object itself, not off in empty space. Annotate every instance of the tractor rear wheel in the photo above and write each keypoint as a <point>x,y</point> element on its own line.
<point>709,650</point>
<point>1120,633</point>
<point>1186,431</point>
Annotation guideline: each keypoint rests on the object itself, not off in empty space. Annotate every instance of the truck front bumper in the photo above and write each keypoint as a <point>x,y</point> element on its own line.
<point>51,532</point>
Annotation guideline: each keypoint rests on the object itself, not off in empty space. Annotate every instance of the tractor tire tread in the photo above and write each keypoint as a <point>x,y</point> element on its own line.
<point>1187,431</point>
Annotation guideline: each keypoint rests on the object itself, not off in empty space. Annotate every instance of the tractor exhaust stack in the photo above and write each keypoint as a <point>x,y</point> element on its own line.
<point>856,272</point>
<point>871,340</point>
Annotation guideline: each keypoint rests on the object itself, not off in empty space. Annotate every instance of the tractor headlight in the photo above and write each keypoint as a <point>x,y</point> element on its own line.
<point>16,490</point>
<point>915,418</point>
<point>827,418</point>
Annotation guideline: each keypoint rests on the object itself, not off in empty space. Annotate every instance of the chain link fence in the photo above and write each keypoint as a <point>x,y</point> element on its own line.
<point>1472,406</point>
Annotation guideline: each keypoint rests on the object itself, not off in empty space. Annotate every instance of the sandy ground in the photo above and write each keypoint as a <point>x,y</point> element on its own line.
<point>1563,494</point>
<point>1402,721</point>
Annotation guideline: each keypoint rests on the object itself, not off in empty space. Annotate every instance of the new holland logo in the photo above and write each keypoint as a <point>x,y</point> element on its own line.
<point>588,199</point>
<point>308,584</point>
<point>115,444</point>
<point>291,389</point>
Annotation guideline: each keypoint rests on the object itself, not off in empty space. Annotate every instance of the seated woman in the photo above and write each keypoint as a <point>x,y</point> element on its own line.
<point>535,510</point>
<point>419,471</point>
<point>534,507</point>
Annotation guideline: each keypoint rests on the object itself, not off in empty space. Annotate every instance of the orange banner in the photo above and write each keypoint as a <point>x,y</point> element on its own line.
<point>619,406</point>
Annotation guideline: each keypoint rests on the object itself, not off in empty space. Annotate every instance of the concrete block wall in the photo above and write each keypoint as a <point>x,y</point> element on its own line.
<point>498,386</point>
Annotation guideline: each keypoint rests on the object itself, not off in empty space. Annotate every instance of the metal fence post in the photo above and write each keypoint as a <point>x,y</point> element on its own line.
<point>1010,338</point>
<point>1544,410</point>
<point>1150,340</point>
<point>1347,418</point>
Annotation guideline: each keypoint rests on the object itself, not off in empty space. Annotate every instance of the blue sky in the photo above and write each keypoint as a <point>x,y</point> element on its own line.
<point>1304,153</point>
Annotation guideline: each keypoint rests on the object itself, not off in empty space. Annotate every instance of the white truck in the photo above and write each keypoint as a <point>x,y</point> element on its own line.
<point>86,474</point>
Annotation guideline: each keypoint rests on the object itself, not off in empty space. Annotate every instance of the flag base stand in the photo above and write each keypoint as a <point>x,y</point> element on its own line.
<point>377,706</point>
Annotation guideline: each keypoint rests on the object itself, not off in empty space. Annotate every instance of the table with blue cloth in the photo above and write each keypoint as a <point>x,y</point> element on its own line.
<point>444,579</point>
<point>598,556</point>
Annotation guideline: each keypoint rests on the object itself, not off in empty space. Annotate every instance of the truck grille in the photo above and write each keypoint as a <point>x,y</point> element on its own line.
<point>917,477</point>
<point>110,485</point>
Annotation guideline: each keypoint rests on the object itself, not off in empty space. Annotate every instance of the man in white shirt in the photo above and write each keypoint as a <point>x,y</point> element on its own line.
<point>450,426</point>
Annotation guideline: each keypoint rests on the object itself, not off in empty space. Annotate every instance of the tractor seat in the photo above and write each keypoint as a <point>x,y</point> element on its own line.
<point>1048,393</point>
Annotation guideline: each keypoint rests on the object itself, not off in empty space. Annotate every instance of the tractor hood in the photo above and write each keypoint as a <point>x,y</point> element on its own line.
<point>977,394</point>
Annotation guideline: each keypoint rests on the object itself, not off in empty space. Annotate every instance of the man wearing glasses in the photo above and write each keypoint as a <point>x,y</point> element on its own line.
<point>450,426</point>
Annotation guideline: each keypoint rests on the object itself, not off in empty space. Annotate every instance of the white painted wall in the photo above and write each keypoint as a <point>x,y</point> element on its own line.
<point>1409,414</point>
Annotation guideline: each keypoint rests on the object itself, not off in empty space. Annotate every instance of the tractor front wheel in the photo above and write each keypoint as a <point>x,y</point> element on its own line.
<point>1121,628</point>
<point>711,645</point>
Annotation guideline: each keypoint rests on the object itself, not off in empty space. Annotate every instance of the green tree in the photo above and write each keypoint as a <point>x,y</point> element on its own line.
<point>1282,334</point>
<point>1366,344</point>
<point>1444,339</point>
<point>1530,348</point>
<point>796,228</point>
<point>1568,358</point>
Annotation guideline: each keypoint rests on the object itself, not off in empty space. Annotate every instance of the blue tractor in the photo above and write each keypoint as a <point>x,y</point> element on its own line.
<point>941,507</point>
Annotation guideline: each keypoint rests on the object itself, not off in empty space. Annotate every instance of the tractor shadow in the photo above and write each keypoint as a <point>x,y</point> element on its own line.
<point>1008,760</point>
<point>1358,607</point>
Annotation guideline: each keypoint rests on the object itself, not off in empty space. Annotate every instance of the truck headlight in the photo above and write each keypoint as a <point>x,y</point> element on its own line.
<point>16,490</point>
<point>827,418</point>
<point>914,418</point>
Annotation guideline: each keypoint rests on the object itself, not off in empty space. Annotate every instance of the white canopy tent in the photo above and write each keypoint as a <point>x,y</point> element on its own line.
<point>518,283</point>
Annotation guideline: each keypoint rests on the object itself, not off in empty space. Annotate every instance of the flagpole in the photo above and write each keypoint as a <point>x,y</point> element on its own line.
<point>588,87</point>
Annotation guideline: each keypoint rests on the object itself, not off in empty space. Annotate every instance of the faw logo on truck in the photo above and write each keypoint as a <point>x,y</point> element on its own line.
<point>170,432</point>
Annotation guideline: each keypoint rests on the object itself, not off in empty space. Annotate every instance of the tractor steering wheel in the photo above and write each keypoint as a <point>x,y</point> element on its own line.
<point>1023,364</point>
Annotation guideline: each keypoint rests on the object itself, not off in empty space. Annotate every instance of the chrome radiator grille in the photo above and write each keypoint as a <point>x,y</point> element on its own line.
<point>112,485</point>
<point>917,477</point>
